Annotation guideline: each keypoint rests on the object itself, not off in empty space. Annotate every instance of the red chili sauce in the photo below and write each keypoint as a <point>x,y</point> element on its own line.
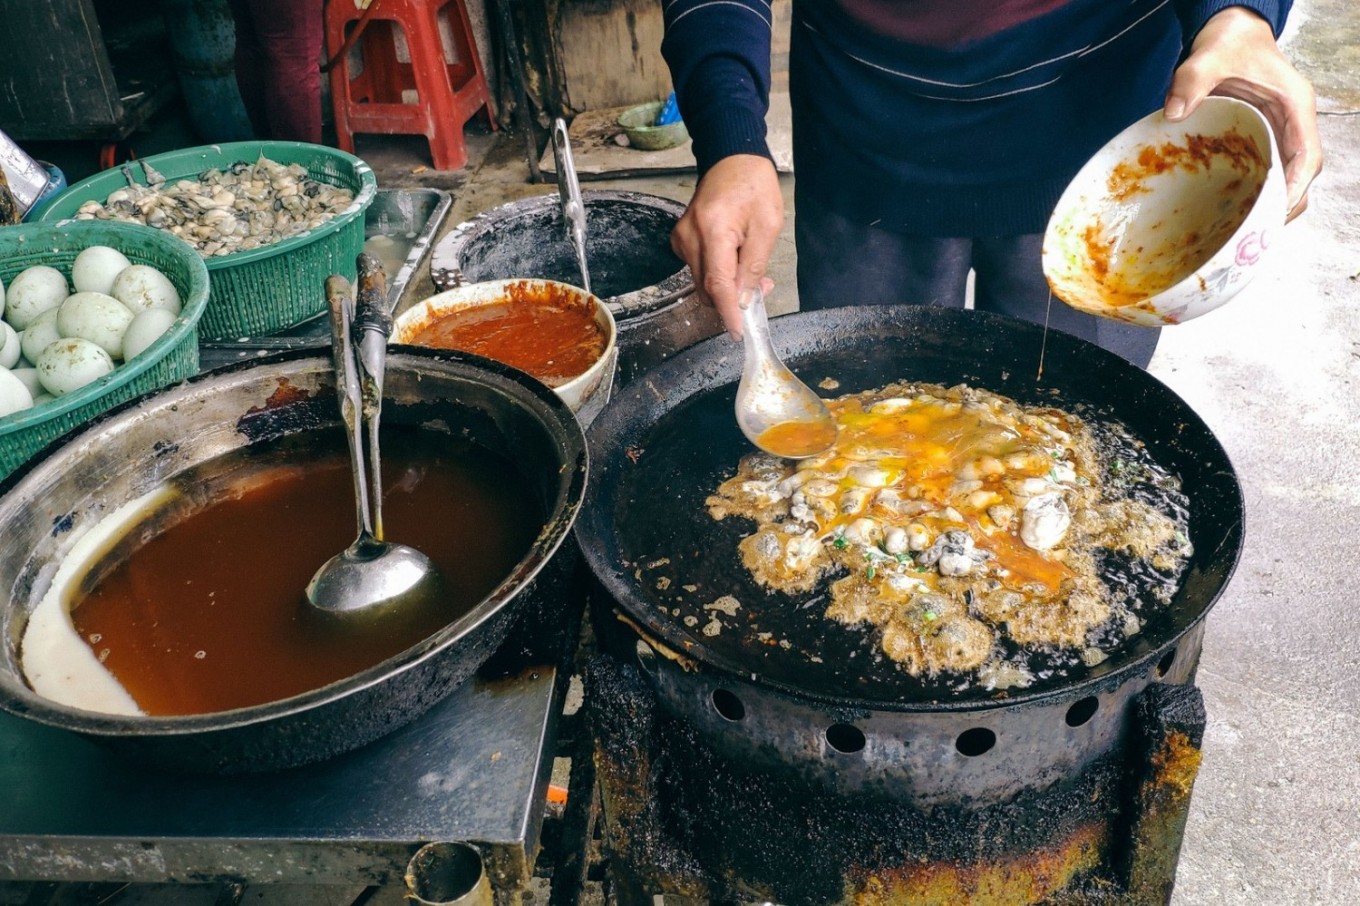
<point>545,331</point>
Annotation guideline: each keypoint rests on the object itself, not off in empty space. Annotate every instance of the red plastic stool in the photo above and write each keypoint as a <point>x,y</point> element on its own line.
<point>372,99</point>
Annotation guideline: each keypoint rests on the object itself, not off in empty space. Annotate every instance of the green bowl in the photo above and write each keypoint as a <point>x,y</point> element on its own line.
<point>172,357</point>
<point>264,290</point>
<point>637,123</point>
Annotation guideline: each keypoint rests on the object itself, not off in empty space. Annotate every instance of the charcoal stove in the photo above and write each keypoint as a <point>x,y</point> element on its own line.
<point>734,768</point>
<point>684,817</point>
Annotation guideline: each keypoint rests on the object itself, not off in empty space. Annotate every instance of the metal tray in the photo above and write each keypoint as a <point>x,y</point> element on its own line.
<point>398,227</point>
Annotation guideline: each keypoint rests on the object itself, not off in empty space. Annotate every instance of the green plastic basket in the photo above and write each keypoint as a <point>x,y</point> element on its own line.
<point>172,357</point>
<point>260,291</point>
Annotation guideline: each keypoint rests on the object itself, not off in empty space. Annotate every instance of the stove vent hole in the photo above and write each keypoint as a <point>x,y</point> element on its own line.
<point>974,742</point>
<point>728,705</point>
<point>845,738</point>
<point>1082,710</point>
<point>1164,665</point>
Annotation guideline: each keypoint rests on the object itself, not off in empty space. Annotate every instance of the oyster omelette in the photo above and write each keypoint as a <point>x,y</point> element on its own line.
<point>965,526</point>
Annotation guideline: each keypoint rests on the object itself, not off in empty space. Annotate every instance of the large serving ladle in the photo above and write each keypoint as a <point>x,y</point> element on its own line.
<point>371,576</point>
<point>569,191</point>
<point>775,410</point>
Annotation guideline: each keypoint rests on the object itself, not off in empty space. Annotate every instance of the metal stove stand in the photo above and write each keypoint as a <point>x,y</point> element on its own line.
<point>682,821</point>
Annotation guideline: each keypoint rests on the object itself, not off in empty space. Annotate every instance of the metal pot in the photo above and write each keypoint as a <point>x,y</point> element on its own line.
<point>649,290</point>
<point>48,504</point>
<point>820,704</point>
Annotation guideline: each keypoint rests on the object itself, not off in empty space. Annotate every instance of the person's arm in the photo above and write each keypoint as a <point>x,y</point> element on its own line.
<point>1232,51</point>
<point>718,52</point>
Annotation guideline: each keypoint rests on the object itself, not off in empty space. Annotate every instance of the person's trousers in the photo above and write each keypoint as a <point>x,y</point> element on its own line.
<point>278,66</point>
<point>846,263</point>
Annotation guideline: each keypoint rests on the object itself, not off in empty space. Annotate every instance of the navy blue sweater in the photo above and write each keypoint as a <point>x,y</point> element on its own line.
<point>933,117</point>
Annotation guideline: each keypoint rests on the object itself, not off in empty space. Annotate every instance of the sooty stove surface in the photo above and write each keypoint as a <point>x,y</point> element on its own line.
<point>472,770</point>
<point>682,820</point>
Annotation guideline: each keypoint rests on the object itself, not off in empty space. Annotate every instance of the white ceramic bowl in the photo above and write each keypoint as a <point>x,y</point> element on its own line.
<point>1169,220</point>
<point>586,393</point>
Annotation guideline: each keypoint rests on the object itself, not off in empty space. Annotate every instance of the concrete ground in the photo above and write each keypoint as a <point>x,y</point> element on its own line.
<point>1275,817</point>
<point>1276,374</point>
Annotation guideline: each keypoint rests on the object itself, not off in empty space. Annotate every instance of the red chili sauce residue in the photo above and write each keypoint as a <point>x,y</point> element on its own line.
<point>1098,248</point>
<point>546,331</point>
<point>210,614</point>
<point>1129,276</point>
<point>1238,151</point>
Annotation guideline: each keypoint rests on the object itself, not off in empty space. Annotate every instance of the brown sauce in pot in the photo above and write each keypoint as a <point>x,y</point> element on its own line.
<point>550,335</point>
<point>209,614</point>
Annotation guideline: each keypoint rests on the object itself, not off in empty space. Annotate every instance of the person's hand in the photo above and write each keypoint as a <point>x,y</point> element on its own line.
<point>1235,54</point>
<point>729,230</point>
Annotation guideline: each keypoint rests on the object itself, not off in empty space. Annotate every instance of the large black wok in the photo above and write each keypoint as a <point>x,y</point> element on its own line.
<point>670,438</point>
<point>50,502</point>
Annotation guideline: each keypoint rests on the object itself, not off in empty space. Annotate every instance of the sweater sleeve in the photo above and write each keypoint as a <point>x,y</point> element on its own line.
<point>1194,13</point>
<point>718,52</point>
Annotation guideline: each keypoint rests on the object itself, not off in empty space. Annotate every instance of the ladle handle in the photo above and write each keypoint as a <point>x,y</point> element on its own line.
<point>569,190</point>
<point>755,326</point>
<point>372,327</point>
<point>349,393</point>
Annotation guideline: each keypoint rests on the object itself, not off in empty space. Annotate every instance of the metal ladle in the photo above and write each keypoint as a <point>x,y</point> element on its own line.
<point>775,410</point>
<point>569,191</point>
<point>371,575</point>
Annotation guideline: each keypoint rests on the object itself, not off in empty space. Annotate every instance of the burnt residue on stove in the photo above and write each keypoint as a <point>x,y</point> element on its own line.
<point>623,720</point>
<point>682,819</point>
<point>1170,723</point>
<point>288,409</point>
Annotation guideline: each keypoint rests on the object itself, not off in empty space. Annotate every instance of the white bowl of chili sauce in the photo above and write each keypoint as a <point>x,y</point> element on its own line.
<point>1169,221</point>
<point>559,334</point>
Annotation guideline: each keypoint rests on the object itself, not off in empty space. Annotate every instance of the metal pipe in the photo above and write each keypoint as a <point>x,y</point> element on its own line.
<point>448,874</point>
<point>516,73</point>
